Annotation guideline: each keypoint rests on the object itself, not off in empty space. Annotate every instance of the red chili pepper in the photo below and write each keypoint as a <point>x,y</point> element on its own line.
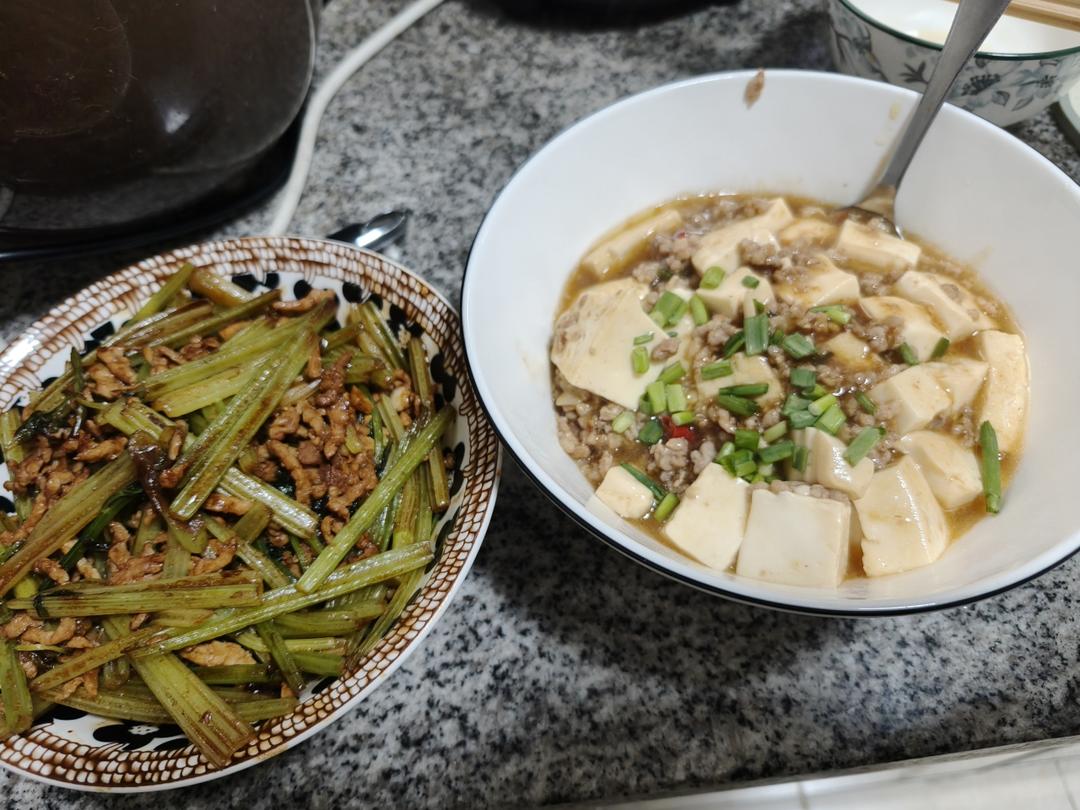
<point>673,431</point>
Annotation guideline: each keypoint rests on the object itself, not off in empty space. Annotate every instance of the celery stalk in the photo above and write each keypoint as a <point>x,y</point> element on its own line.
<point>236,427</point>
<point>207,720</point>
<point>211,325</point>
<point>318,623</point>
<point>289,599</point>
<point>413,453</point>
<point>321,664</point>
<point>14,453</point>
<point>90,598</point>
<point>281,656</point>
<point>88,660</point>
<point>168,290</point>
<point>220,290</point>
<point>67,517</point>
<point>14,693</point>
<point>219,387</point>
<point>233,674</point>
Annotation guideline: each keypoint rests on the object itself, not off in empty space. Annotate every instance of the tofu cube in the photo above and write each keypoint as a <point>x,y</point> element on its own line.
<point>950,469</point>
<point>873,249</point>
<point>827,466</point>
<point>619,249</point>
<point>951,303</point>
<point>917,328</point>
<point>594,337</point>
<point>822,283</point>
<point>623,494</point>
<point>902,523</point>
<point>746,371</point>
<point>710,521</point>
<point>914,396</point>
<point>720,248</point>
<point>809,231</point>
<point>728,299</point>
<point>1005,398</point>
<point>850,352</point>
<point>961,378</point>
<point>795,540</point>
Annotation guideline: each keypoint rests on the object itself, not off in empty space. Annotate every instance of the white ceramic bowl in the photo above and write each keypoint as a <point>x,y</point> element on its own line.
<point>1023,66</point>
<point>973,189</point>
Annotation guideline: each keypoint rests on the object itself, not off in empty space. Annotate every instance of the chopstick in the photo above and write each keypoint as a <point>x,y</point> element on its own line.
<point>1058,13</point>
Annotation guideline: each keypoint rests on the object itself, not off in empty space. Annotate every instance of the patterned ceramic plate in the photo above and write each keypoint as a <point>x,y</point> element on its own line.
<point>72,749</point>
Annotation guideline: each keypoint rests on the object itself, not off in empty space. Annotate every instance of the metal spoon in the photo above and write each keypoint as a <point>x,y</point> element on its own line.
<point>973,21</point>
<point>379,232</point>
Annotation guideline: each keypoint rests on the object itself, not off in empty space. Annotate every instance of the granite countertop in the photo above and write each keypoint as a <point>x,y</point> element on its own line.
<point>564,672</point>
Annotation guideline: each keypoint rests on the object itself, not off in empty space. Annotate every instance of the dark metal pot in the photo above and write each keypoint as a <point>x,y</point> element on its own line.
<point>123,116</point>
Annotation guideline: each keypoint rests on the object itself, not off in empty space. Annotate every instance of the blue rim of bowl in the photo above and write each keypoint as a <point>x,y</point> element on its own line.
<point>1010,57</point>
<point>606,539</point>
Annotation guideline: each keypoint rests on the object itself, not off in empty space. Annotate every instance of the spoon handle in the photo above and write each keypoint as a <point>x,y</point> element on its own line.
<point>973,21</point>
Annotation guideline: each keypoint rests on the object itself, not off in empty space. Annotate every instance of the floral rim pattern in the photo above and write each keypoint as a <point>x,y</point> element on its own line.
<point>992,85</point>
<point>71,749</point>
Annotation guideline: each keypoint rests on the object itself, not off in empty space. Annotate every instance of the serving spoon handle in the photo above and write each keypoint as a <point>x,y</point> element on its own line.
<point>973,21</point>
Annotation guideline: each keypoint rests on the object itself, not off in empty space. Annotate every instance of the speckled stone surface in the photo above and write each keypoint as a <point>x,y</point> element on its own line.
<point>564,672</point>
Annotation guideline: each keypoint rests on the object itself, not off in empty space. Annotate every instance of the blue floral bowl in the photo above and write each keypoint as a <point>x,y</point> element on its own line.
<point>1036,65</point>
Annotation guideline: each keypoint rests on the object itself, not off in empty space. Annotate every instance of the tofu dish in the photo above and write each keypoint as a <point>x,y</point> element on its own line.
<point>775,389</point>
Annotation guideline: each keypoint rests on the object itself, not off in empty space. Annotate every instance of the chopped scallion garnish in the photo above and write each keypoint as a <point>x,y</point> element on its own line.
<point>798,346</point>
<point>672,373</point>
<point>639,359</point>
<point>666,507</point>
<point>657,394</point>
<point>713,371</point>
<point>658,492</point>
<point>641,340</point>
<point>835,313</point>
<point>801,419</point>
<point>622,422</point>
<point>746,389</point>
<point>803,377</point>
<point>794,403</point>
<point>651,432</point>
<point>816,392</point>
<point>865,403</point>
<point>747,439</point>
<point>750,282</point>
<point>990,466</point>
<point>734,343</point>
<point>713,277</point>
<point>740,406</point>
<point>832,420</point>
<point>756,329</point>
<point>799,458</point>
<point>745,469</point>
<point>862,445</point>
<point>940,348</point>
<point>775,432</point>
<point>676,398</point>
<point>698,311</point>
<point>777,452</point>
<point>908,355</point>
<point>681,418</point>
<point>680,310</point>
<point>726,449</point>
<point>822,404</point>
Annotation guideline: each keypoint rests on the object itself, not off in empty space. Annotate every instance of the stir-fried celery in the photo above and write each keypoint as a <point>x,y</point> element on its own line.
<point>416,450</point>
<point>14,693</point>
<point>64,520</point>
<point>195,467</point>
<point>204,717</point>
<point>90,598</point>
